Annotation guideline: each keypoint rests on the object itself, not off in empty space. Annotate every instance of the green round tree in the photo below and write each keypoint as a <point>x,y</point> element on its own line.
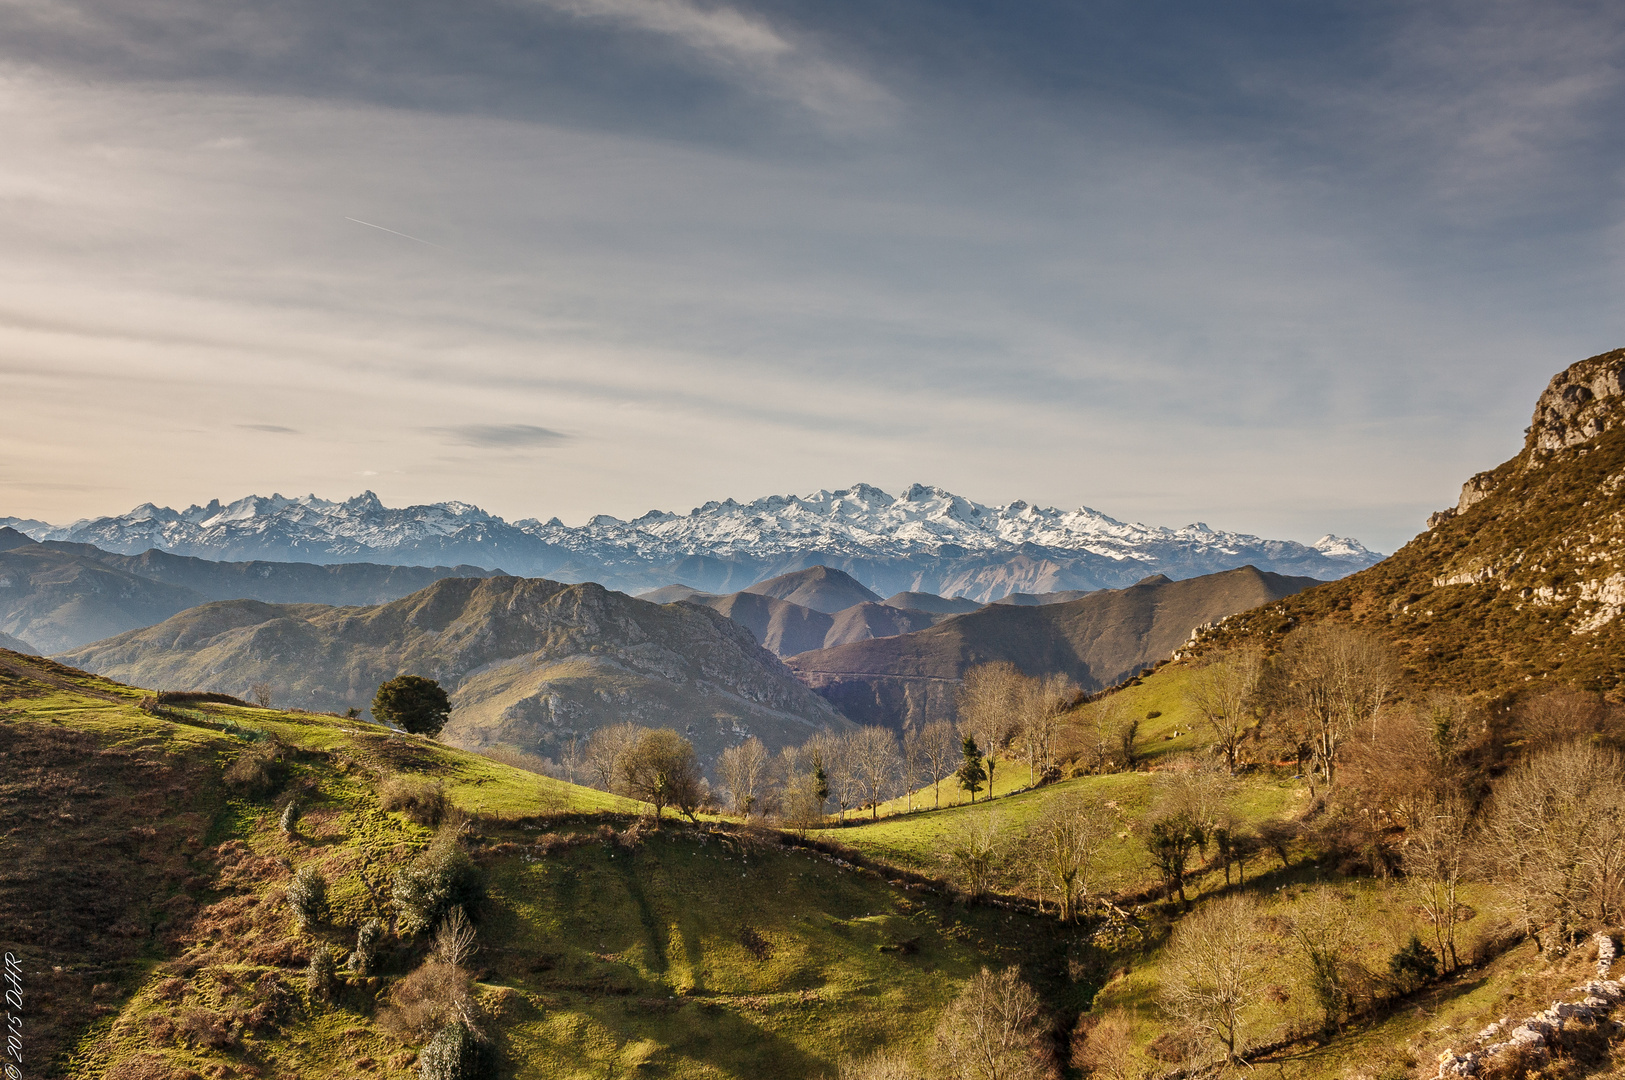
<point>412,702</point>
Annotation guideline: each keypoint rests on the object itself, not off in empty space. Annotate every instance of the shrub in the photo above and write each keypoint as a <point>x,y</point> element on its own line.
<point>290,817</point>
<point>442,878</point>
<point>432,996</point>
<point>258,770</point>
<point>206,1028</point>
<point>421,801</point>
<point>453,1054</point>
<point>1413,966</point>
<point>365,957</point>
<point>307,896</point>
<point>321,977</point>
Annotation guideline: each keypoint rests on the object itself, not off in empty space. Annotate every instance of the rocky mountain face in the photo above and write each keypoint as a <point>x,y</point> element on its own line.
<point>925,540</point>
<point>528,662</point>
<point>1097,640</point>
<point>56,596</point>
<point>1523,580</point>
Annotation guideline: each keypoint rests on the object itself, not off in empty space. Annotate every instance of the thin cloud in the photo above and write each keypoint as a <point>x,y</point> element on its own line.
<point>274,429</point>
<point>503,436</point>
<point>746,49</point>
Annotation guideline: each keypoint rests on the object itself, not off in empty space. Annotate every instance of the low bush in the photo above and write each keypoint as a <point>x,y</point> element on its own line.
<point>259,770</point>
<point>321,977</point>
<point>432,996</point>
<point>421,801</point>
<point>307,896</point>
<point>454,1054</point>
<point>364,960</point>
<point>442,878</point>
<point>290,817</point>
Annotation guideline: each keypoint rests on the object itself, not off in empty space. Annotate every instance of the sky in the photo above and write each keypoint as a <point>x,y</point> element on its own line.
<point>1285,268</point>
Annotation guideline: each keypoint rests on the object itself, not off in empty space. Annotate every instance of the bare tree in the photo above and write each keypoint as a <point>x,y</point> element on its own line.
<point>571,758</point>
<point>992,1030</point>
<point>1322,933</point>
<point>661,770</point>
<point>1338,679</point>
<point>940,748</point>
<point>744,771</point>
<point>1191,803</point>
<point>990,702</point>
<point>1107,732</point>
<point>604,751</point>
<point>971,851</point>
<point>1211,975</point>
<point>1555,835</point>
<point>912,764</point>
<point>1222,693</point>
<point>260,694</point>
<point>1437,850</point>
<point>1060,852</point>
<point>1044,702</point>
<point>1561,714</point>
<point>874,763</point>
<point>839,763</point>
<point>1106,1049</point>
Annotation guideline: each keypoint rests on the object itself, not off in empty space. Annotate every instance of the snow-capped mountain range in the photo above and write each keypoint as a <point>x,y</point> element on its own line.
<point>925,539</point>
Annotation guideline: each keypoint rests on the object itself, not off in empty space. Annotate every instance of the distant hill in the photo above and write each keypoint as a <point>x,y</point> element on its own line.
<point>923,540</point>
<point>1097,640</point>
<point>528,662</point>
<point>60,595</point>
<point>1523,580</point>
<point>1022,599</point>
<point>931,602</point>
<point>786,627</point>
<point>821,588</point>
<point>17,645</point>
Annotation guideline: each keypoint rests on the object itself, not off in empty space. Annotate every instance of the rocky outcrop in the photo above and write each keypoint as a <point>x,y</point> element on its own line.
<point>1579,403</point>
<point>1538,1035</point>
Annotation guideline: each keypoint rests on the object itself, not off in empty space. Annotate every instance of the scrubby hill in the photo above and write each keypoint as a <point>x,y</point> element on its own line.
<point>1524,579</point>
<point>60,596</point>
<point>147,897</point>
<point>1096,640</point>
<point>528,662</point>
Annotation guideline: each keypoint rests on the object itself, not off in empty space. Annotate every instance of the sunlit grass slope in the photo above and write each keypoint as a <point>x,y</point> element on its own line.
<point>695,951</point>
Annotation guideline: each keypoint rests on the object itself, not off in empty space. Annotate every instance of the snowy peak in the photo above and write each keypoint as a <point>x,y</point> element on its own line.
<point>926,539</point>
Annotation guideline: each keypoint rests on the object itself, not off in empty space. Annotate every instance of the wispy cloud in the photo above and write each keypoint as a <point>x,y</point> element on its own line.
<point>274,429</point>
<point>503,436</point>
<point>749,50</point>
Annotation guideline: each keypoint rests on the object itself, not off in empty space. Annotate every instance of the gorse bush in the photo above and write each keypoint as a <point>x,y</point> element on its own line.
<point>421,801</point>
<point>442,878</point>
<point>307,896</point>
<point>1413,966</point>
<point>321,976</point>
<point>364,960</point>
<point>290,817</point>
<point>453,1054</point>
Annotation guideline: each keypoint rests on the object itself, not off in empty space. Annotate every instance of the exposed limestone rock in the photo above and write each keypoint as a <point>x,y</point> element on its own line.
<point>1580,403</point>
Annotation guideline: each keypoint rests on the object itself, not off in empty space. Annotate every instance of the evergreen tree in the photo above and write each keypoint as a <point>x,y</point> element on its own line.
<point>971,772</point>
<point>413,703</point>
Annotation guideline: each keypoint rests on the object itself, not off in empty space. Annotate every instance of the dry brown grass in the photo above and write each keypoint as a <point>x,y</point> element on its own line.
<point>420,800</point>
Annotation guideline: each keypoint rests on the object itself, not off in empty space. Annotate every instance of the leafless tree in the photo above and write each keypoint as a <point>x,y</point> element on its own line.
<point>1061,851</point>
<point>1106,1049</point>
<point>990,702</point>
<point>1437,853</point>
<point>1211,974</point>
<point>744,772</point>
<point>1044,702</point>
<point>912,765</point>
<point>939,747</point>
<point>971,851</point>
<point>1408,756</point>
<point>1222,693</point>
<point>604,751</point>
<point>874,763</point>
<point>1338,679</point>
<point>1560,715</point>
<point>454,940</point>
<point>835,755</point>
<point>1555,838</point>
<point>260,694</point>
<point>1321,930</point>
<point>992,1030</point>
<point>571,758</point>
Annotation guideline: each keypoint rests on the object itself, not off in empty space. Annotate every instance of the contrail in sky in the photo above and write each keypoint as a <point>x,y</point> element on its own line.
<point>392,232</point>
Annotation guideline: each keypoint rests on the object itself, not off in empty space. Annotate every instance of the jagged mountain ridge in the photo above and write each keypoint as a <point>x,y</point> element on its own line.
<point>528,662</point>
<point>925,540</point>
<point>1523,580</point>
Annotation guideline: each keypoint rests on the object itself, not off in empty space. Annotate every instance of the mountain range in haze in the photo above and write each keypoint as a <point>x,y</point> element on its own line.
<point>924,540</point>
